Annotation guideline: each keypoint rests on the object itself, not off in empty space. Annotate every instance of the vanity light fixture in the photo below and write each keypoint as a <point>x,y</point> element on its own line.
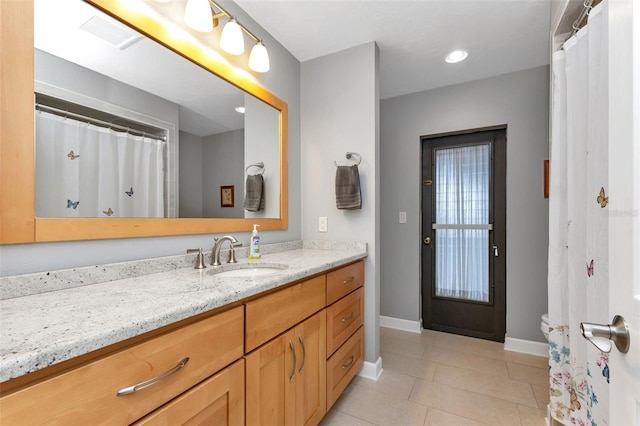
<point>456,56</point>
<point>231,40</point>
<point>198,15</point>
<point>203,15</point>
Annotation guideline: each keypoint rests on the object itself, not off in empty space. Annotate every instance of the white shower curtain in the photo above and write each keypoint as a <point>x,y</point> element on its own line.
<point>578,227</point>
<point>84,170</point>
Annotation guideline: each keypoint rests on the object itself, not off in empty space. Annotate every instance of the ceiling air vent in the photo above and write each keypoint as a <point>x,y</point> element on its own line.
<point>114,33</point>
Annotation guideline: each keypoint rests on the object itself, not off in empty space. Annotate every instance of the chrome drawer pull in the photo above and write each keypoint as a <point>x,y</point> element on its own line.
<point>304,353</point>
<point>153,381</point>
<point>293,373</point>
<point>349,318</point>
<point>349,280</point>
<point>347,365</point>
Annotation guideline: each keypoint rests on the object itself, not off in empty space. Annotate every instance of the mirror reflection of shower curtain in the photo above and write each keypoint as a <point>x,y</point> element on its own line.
<point>84,170</point>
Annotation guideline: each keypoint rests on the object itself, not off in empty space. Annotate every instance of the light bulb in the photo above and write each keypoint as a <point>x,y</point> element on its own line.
<point>456,56</point>
<point>259,58</point>
<point>231,40</point>
<point>198,15</point>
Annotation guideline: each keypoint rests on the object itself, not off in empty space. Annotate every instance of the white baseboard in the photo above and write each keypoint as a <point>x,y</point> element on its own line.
<point>371,370</point>
<point>401,324</point>
<point>526,347</point>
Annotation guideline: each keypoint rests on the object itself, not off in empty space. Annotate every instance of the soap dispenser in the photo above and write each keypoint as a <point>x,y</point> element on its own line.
<point>254,249</point>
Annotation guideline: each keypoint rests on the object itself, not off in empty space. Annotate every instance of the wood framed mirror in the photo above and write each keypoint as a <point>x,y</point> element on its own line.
<point>18,220</point>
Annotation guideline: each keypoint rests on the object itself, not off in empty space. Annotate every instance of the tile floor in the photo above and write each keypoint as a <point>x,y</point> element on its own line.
<point>437,378</point>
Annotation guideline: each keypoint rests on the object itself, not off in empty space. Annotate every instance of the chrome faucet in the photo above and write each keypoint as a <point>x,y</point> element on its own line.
<point>215,255</point>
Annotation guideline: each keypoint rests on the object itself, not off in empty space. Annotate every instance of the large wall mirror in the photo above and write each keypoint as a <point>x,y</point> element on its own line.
<point>138,130</point>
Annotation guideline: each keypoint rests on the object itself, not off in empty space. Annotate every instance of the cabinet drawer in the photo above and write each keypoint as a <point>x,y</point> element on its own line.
<point>343,318</point>
<point>87,394</point>
<point>271,315</point>
<point>344,280</point>
<point>216,401</point>
<point>344,365</point>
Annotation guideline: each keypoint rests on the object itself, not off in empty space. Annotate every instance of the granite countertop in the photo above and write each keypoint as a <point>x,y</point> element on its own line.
<point>39,330</point>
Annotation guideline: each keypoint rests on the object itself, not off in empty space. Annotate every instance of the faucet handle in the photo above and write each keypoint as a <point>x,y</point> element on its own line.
<point>199,259</point>
<point>232,252</point>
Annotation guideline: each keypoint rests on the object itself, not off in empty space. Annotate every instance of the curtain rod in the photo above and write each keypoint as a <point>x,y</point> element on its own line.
<point>97,122</point>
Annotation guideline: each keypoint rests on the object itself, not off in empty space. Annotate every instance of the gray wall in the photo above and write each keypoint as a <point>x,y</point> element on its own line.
<point>223,164</point>
<point>284,81</point>
<point>190,184</point>
<point>341,113</point>
<point>521,101</point>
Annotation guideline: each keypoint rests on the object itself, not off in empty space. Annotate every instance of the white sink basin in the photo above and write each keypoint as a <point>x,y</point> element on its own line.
<point>248,270</point>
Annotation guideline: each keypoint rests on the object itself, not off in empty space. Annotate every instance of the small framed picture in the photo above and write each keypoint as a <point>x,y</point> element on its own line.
<point>226,196</point>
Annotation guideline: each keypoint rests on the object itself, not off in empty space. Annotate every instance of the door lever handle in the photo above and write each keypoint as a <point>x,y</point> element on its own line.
<point>602,335</point>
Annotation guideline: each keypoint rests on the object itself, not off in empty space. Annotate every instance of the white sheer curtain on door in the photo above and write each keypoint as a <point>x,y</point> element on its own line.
<point>84,170</point>
<point>578,227</point>
<point>462,202</point>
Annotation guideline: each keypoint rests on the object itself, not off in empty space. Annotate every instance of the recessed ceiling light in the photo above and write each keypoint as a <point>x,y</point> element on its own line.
<point>240,109</point>
<point>456,56</point>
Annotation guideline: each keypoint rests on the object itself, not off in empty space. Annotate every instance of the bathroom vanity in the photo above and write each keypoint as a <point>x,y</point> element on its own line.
<point>185,345</point>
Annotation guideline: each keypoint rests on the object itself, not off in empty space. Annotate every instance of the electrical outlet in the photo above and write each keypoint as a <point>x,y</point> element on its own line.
<point>322,224</point>
<point>403,217</point>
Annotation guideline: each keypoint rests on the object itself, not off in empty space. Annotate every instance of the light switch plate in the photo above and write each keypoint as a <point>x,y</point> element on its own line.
<point>403,217</point>
<point>322,224</point>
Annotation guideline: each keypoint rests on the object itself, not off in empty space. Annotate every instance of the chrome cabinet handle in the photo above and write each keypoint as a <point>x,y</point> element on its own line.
<point>349,280</point>
<point>304,353</point>
<point>602,335</point>
<point>348,364</point>
<point>131,389</point>
<point>295,361</point>
<point>349,318</point>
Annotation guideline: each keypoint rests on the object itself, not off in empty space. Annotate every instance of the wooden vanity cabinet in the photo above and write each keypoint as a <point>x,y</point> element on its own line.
<point>87,394</point>
<point>286,383</point>
<point>282,358</point>
<point>345,330</point>
<point>286,377</point>
<point>218,400</point>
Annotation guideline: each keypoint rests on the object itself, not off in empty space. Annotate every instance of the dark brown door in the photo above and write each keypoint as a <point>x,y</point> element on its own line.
<point>463,233</point>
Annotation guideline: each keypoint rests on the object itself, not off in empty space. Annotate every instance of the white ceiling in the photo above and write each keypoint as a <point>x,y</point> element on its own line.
<point>414,36</point>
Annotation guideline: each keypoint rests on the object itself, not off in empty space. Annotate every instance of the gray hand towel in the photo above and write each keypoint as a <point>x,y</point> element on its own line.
<point>253,200</point>
<point>348,188</point>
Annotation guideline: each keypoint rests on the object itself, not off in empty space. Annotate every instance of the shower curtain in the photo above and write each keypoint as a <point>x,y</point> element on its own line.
<point>578,227</point>
<point>84,170</point>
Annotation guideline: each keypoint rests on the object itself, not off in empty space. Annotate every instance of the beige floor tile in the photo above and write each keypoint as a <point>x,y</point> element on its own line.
<point>482,408</point>
<point>426,336</point>
<point>337,418</point>
<point>527,374</point>
<point>380,408</point>
<point>414,348</point>
<point>530,360</point>
<point>396,384</point>
<point>532,416</point>
<point>486,384</point>
<point>466,360</point>
<point>410,366</point>
<point>437,417</point>
<point>481,347</point>
<point>542,395</point>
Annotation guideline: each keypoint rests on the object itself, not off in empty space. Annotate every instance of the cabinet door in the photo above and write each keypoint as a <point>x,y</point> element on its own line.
<point>218,400</point>
<point>311,383</point>
<point>286,378</point>
<point>270,382</point>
